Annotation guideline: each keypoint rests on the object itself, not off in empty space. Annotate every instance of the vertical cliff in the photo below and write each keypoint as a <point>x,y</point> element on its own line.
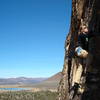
<point>83,12</point>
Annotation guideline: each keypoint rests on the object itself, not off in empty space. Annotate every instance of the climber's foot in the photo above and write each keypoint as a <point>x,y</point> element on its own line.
<point>73,91</point>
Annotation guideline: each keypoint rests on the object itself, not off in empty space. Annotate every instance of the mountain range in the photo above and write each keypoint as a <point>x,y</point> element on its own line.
<point>41,83</point>
<point>50,83</point>
<point>20,80</point>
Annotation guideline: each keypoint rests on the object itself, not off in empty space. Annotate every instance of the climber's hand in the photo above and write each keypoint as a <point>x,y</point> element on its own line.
<point>81,52</point>
<point>84,54</point>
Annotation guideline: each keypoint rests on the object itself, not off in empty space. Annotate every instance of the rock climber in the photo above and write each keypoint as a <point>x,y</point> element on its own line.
<point>81,51</point>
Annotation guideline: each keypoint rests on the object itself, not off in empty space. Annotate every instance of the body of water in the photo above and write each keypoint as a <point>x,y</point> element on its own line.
<point>15,89</point>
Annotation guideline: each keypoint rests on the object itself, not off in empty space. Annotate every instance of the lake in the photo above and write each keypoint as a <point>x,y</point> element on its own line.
<point>15,89</point>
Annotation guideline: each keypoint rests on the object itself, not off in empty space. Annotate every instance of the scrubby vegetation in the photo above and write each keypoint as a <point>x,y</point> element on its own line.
<point>26,95</point>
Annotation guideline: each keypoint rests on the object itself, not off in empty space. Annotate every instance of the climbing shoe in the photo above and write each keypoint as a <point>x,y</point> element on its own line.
<point>73,91</point>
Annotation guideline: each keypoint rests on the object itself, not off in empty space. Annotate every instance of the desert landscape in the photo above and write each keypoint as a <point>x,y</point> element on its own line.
<point>29,88</point>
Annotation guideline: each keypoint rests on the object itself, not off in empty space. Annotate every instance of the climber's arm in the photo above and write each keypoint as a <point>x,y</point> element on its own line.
<point>79,42</point>
<point>79,51</point>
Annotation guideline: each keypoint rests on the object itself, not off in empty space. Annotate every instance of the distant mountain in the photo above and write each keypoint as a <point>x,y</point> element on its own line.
<point>55,77</point>
<point>50,83</point>
<point>20,80</point>
<point>41,83</point>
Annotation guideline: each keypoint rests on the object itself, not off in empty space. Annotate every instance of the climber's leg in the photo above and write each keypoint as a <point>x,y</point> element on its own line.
<point>76,81</point>
<point>78,73</point>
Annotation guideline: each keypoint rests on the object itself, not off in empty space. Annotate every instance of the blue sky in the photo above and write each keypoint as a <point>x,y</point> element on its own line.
<point>32,36</point>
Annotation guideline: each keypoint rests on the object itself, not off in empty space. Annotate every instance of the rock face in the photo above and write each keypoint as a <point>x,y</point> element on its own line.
<point>83,12</point>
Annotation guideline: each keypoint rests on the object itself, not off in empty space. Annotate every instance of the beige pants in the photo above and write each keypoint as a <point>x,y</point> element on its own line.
<point>78,73</point>
<point>83,65</point>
